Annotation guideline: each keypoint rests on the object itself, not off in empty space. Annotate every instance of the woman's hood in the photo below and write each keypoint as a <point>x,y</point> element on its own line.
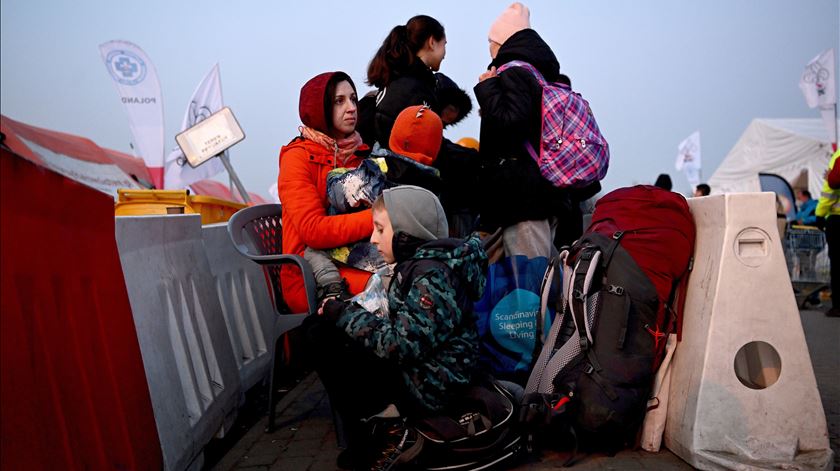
<point>311,105</point>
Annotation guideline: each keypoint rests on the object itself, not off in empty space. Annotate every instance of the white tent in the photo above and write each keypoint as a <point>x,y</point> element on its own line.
<point>797,150</point>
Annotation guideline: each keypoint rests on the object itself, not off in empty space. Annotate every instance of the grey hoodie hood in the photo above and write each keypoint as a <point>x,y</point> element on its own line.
<point>416,212</point>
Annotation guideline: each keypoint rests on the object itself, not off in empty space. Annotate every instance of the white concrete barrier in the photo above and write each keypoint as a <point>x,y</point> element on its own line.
<point>243,293</point>
<point>743,393</point>
<point>190,364</point>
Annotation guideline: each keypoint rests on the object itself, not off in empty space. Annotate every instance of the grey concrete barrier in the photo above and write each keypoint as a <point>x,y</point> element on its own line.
<point>190,364</point>
<point>242,289</point>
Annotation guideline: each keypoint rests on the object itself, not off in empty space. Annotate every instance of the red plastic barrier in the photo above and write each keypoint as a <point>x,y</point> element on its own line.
<point>74,392</point>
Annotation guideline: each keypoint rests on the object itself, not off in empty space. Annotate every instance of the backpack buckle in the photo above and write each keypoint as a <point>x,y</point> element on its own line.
<point>584,345</point>
<point>589,369</point>
<point>578,295</point>
<point>616,290</point>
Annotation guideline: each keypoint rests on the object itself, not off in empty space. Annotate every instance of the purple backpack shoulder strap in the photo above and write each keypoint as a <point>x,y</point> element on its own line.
<point>530,68</point>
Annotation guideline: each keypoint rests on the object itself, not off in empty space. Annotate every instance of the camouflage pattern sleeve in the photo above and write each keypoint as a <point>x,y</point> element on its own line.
<point>417,324</point>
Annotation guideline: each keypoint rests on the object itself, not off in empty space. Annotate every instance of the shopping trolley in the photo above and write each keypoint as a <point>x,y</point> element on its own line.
<point>807,260</point>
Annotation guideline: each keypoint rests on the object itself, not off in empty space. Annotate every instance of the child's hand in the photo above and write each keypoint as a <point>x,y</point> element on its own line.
<point>489,74</point>
<point>321,306</point>
<point>331,309</point>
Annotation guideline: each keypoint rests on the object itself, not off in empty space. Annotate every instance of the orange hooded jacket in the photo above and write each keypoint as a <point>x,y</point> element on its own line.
<point>302,187</point>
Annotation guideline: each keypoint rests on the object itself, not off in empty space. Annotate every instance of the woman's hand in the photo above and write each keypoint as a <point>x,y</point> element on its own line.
<point>489,74</point>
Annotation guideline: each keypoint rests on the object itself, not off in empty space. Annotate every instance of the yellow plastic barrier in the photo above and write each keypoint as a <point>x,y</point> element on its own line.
<point>214,210</point>
<point>154,202</point>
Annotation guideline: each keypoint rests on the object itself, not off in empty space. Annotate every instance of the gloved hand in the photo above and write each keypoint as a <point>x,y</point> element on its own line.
<point>331,309</point>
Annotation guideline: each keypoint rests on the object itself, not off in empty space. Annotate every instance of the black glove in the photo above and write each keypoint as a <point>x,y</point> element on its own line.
<point>332,309</point>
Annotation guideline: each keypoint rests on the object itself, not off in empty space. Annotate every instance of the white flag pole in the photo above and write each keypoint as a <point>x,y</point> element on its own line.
<point>234,178</point>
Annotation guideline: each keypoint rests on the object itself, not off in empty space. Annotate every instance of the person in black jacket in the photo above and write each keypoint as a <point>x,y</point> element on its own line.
<point>513,191</point>
<point>403,71</point>
<point>458,165</point>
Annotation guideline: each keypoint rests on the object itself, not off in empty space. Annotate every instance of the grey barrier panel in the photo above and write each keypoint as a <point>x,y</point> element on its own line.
<point>243,293</point>
<point>190,365</point>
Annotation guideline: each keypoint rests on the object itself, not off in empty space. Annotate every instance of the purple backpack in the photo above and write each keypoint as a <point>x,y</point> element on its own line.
<point>572,153</point>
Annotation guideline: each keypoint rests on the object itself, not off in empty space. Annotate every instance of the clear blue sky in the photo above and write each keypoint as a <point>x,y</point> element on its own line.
<point>653,70</point>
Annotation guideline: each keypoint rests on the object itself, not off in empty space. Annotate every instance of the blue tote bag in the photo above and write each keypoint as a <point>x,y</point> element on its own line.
<point>511,323</point>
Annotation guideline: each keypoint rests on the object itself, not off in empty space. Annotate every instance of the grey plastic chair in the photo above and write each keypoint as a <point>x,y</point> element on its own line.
<point>257,233</point>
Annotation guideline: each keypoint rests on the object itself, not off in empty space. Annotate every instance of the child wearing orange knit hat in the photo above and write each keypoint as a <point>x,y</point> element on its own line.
<point>414,145</point>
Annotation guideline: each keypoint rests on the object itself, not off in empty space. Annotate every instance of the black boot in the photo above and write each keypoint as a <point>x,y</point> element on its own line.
<point>391,443</point>
<point>338,290</point>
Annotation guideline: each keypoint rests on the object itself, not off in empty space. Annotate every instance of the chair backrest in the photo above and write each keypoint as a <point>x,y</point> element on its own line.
<point>257,230</point>
<point>257,233</point>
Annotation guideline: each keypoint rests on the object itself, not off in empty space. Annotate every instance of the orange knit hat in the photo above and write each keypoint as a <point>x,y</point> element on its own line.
<point>417,134</point>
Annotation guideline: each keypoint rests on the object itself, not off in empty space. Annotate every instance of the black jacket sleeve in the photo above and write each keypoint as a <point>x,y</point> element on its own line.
<point>508,101</point>
<point>399,95</point>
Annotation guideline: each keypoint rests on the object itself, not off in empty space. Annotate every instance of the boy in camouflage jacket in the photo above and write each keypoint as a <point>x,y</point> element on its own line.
<point>428,344</point>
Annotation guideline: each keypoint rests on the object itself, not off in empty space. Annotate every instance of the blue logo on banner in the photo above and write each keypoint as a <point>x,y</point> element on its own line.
<point>126,67</point>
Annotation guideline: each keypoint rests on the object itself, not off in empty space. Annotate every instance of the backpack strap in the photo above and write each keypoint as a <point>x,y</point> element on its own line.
<point>545,291</point>
<point>543,351</point>
<point>530,68</point>
<point>584,272</point>
<point>411,269</point>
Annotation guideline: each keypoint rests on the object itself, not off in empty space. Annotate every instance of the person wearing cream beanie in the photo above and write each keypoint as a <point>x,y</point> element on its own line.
<point>511,193</point>
<point>514,19</point>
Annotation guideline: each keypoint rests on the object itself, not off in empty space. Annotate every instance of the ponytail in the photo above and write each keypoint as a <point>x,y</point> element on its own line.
<point>399,50</point>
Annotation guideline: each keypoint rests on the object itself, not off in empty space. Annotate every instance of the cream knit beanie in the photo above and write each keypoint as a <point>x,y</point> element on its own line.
<point>515,18</point>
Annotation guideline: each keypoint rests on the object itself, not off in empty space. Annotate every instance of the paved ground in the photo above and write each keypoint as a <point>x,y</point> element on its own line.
<point>305,441</point>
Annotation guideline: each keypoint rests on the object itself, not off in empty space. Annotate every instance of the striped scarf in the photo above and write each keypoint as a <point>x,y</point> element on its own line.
<point>343,149</point>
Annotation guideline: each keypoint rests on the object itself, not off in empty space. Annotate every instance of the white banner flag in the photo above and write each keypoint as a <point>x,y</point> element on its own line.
<point>206,100</point>
<point>688,158</point>
<point>817,81</point>
<point>139,89</point>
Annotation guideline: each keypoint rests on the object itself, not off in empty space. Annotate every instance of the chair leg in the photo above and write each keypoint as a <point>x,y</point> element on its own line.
<point>272,388</point>
<point>338,423</point>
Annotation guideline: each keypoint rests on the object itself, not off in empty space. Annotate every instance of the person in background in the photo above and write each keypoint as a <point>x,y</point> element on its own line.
<point>513,193</point>
<point>828,207</point>
<point>408,363</point>
<point>403,71</point>
<point>453,102</point>
<point>458,164</point>
<point>328,139</point>
<point>807,206</point>
<point>664,181</point>
<point>702,190</point>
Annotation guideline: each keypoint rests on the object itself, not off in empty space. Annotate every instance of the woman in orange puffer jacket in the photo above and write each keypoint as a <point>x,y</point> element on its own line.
<point>328,140</point>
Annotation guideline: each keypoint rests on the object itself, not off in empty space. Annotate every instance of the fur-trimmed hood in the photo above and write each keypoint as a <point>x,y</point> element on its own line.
<point>449,93</point>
